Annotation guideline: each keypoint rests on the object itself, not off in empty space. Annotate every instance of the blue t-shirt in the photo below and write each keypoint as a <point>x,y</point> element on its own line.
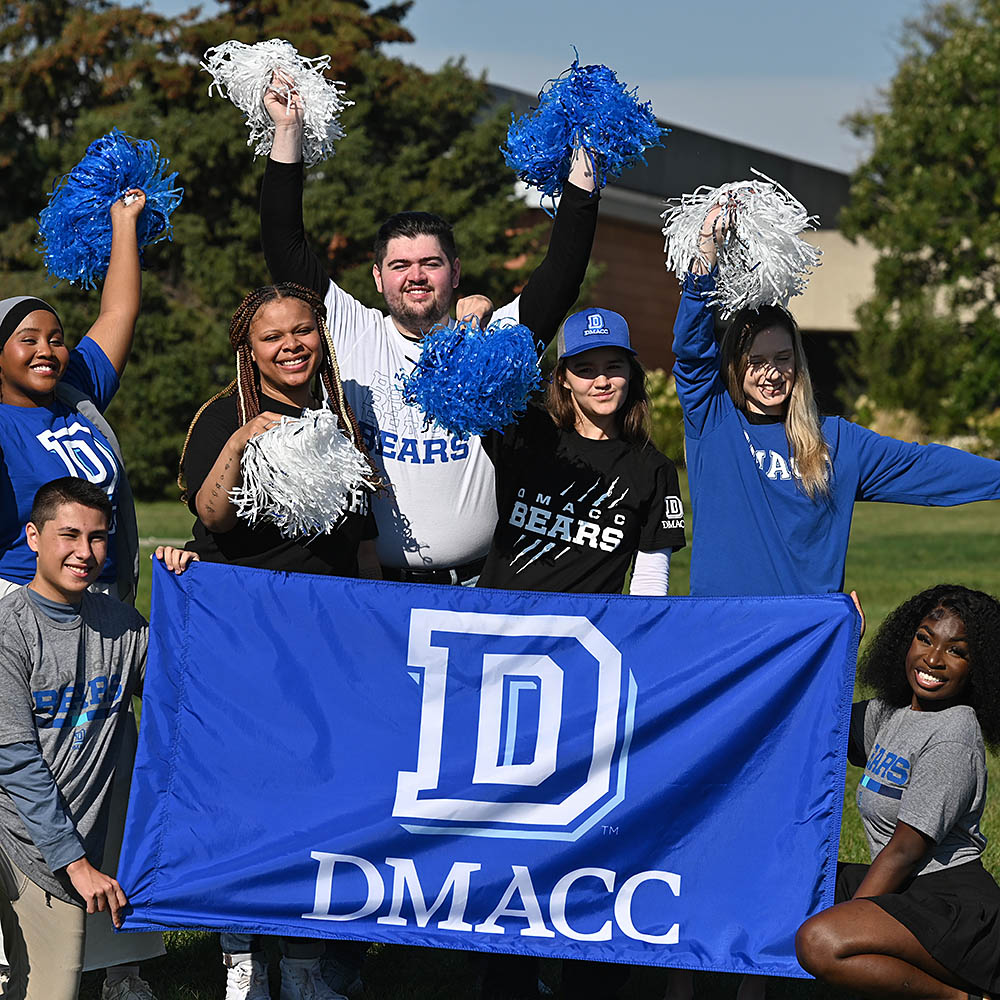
<point>755,529</point>
<point>39,444</point>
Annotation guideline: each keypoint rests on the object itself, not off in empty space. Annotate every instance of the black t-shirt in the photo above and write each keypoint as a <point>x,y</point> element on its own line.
<point>263,546</point>
<point>573,511</point>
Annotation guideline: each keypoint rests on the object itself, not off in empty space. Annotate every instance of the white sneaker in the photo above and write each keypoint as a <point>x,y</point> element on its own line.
<point>247,980</point>
<point>129,988</point>
<point>301,979</point>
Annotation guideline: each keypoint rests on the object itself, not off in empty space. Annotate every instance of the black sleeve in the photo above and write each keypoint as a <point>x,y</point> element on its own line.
<point>208,437</point>
<point>493,442</point>
<point>555,285</point>
<point>370,529</point>
<point>856,753</point>
<point>499,445</point>
<point>282,232</point>
<point>664,526</point>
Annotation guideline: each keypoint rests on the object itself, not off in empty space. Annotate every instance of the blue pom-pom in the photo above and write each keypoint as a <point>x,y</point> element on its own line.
<point>586,106</point>
<point>75,227</point>
<point>471,380</point>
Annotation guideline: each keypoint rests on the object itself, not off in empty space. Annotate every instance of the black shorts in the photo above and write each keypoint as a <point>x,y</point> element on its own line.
<point>954,913</point>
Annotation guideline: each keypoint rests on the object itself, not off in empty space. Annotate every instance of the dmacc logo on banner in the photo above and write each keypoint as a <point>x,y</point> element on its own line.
<point>615,778</point>
<point>517,728</point>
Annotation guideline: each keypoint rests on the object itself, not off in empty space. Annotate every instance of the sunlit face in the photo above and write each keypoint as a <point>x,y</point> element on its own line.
<point>770,373</point>
<point>286,347</point>
<point>937,662</point>
<point>33,360</point>
<point>71,547</point>
<point>598,382</point>
<point>417,280</point>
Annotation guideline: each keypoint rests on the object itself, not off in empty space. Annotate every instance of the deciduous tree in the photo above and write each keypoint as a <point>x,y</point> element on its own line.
<point>928,198</point>
<point>71,70</point>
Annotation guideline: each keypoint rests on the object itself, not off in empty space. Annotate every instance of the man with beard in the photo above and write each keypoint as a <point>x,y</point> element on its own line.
<point>437,518</point>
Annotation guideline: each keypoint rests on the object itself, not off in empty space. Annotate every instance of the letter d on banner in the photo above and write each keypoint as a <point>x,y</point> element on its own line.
<point>324,887</point>
<point>549,665</point>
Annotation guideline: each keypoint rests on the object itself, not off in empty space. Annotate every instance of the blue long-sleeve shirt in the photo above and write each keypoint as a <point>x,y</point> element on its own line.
<point>755,529</point>
<point>26,778</point>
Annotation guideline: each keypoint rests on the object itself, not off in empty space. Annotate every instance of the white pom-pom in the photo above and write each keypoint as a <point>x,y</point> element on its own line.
<point>244,72</point>
<point>762,259</point>
<point>300,475</point>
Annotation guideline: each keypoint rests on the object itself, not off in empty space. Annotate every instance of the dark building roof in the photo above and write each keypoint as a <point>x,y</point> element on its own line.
<point>689,159</point>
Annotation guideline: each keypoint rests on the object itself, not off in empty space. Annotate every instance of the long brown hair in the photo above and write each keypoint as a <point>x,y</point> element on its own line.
<point>246,385</point>
<point>806,445</point>
<point>634,424</point>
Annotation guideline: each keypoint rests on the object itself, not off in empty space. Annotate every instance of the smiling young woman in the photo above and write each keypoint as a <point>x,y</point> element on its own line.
<point>284,365</point>
<point>774,483</point>
<point>923,920</point>
<point>582,496</point>
<point>52,401</point>
<point>51,405</point>
<point>581,490</point>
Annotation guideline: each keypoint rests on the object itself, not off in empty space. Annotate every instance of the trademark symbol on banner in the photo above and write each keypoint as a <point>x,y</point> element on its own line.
<point>609,831</point>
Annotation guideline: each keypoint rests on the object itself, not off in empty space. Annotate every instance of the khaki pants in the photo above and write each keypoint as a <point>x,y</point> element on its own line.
<point>43,937</point>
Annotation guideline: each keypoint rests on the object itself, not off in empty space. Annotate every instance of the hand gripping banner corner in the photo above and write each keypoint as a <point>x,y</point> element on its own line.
<point>644,780</point>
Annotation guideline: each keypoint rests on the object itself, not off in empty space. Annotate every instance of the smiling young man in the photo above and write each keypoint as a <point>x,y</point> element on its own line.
<point>70,661</point>
<point>436,521</point>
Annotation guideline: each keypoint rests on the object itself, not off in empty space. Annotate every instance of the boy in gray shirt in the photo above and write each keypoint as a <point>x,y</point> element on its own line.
<point>70,660</point>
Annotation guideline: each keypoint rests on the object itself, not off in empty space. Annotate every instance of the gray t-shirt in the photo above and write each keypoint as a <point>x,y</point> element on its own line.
<point>927,769</point>
<point>67,685</point>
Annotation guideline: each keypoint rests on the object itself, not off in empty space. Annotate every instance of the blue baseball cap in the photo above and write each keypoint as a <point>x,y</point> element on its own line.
<point>593,328</point>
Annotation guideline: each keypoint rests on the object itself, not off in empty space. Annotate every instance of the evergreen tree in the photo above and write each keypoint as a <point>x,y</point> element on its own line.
<point>73,69</point>
<point>929,199</point>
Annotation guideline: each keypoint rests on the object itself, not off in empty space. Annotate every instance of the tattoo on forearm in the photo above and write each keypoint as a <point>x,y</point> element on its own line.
<point>218,489</point>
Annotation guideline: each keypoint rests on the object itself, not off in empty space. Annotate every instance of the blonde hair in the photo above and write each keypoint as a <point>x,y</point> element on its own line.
<point>807,447</point>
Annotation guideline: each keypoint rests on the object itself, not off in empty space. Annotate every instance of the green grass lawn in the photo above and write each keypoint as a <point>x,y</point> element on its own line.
<point>895,551</point>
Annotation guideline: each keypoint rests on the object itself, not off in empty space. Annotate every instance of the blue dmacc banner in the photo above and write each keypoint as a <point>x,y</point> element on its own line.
<point>641,780</point>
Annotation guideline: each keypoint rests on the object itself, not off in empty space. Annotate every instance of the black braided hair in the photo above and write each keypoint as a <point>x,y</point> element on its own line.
<point>246,385</point>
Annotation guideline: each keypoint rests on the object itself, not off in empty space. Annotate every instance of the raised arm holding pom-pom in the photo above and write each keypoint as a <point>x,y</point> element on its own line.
<point>287,117</point>
<point>52,401</point>
<point>121,295</point>
<point>773,482</point>
<point>713,231</point>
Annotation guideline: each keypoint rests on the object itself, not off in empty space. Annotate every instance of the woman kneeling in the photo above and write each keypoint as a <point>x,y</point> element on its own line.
<point>923,920</point>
